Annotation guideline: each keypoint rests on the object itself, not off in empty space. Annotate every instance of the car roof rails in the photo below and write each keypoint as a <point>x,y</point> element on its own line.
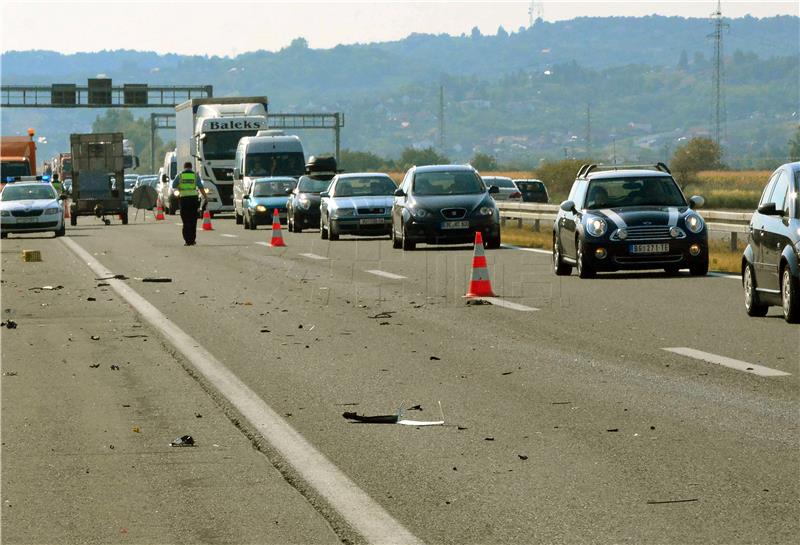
<point>585,170</point>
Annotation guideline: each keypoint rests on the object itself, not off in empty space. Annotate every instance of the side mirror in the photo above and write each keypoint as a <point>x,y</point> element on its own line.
<point>289,190</point>
<point>164,179</point>
<point>245,197</point>
<point>324,194</point>
<point>696,201</point>
<point>568,206</point>
<point>399,193</point>
<point>494,189</point>
<point>769,209</point>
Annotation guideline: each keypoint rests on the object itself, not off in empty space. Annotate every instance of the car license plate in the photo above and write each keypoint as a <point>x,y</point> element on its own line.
<point>455,225</point>
<point>371,221</point>
<point>649,248</point>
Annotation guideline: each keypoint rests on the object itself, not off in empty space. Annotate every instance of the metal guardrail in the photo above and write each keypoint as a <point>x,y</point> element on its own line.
<point>732,223</point>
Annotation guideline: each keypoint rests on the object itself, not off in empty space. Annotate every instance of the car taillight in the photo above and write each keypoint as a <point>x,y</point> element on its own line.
<point>515,195</point>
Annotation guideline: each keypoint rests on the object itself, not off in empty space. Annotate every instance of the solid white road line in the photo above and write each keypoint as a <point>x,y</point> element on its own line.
<point>262,243</point>
<point>759,370</point>
<point>229,236</point>
<point>361,512</point>
<point>508,304</point>
<point>314,256</point>
<point>385,274</point>
<point>520,248</point>
<point>725,275</point>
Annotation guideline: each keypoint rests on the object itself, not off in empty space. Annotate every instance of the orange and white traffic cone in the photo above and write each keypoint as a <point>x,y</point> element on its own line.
<point>159,210</point>
<point>277,237</point>
<point>207,221</point>
<point>479,286</point>
<point>66,209</point>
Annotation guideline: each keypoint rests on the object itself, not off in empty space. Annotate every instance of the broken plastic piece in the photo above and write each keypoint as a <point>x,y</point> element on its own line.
<point>11,324</point>
<point>183,441</point>
<point>156,279</point>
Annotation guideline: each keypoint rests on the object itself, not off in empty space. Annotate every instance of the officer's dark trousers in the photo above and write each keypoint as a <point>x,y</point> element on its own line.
<point>189,218</point>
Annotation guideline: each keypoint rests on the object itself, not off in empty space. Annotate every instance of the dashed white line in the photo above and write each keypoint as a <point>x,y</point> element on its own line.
<point>262,243</point>
<point>365,515</point>
<point>739,365</point>
<point>314,256</point>
<point>508,304</point>
<point>725,275</point>
<point>229,236</point>
<point>520,248</point>
<point>385,274</point>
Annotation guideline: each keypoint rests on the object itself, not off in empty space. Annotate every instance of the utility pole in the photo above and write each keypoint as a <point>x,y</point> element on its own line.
<point>588,130</point>
<point>441,118</point>
<point>535,12</point>
<point>718,77</point>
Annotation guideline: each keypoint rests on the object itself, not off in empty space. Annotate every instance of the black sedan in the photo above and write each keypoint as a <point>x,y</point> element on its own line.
<point>302,209</point>
<point>444,204</point>
<point>628,218</point>
<point>771,261</point>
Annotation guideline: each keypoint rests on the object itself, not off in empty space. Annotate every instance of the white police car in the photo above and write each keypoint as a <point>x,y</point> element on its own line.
<point>30,207</point>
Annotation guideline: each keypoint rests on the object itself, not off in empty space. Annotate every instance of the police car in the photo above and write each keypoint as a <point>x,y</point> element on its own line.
<point>29,204</point>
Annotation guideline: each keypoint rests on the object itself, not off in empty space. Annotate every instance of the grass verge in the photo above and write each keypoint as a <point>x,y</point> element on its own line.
<point>721,258</point>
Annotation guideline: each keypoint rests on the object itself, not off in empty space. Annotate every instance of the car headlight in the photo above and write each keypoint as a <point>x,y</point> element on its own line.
<point>5,213</point>
<point>176,193</point>
<point>304,202</point>
<point>420,213</point>
<point>261,208</point>
<point>485,211</point>
<point>596,227</point>
<point>694,223</point>
<point>51,211</point>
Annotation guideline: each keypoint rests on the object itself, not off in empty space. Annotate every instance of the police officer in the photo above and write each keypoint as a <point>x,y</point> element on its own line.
<point>189,187</point>
<point>56,183</point>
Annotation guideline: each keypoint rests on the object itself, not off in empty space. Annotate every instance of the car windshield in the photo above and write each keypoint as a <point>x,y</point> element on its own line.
<point>28,192</point>
<point>500,182</point>
<point>310,185</point>
<point>272,188</point>
<point>274,164</point>
<point>14,168</point>
<point>447,182</point>
<point>643,191</point>
<point>222,145</point>
<point>363,187</point>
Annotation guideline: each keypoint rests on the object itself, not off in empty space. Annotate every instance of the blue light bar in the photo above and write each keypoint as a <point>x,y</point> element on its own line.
<point>46,178</point>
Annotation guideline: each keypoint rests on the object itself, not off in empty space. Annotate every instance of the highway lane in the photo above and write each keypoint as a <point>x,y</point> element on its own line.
<point>546,384</point>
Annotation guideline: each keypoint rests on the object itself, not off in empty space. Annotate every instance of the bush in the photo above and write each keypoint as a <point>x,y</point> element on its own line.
<point>696,155</point>
<point>363,161</point>
<point>483,162</point>
<point>421,157</point>
<point>558,176</point>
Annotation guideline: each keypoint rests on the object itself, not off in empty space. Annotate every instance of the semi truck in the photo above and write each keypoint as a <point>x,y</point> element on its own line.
<point>208,131</point>
<point>18,156</point>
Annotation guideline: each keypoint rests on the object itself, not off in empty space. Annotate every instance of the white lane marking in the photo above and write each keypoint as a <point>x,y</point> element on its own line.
<point>362,512</point>
<point>739,365</point>
<point>520,248</point>
<point>262,243</point>
<point>725,275</point>
<point>229,236</point>
<point>508,304</point>
<point>314,256</point>
<point>385,274</point>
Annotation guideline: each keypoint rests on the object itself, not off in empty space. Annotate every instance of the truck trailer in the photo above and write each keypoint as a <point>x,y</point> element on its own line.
<point>208,131</point>
<point>18,156</point>
<point>98,176</point>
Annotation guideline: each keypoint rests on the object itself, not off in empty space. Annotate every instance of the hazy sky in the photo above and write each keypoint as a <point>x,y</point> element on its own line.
<point>228,28</point>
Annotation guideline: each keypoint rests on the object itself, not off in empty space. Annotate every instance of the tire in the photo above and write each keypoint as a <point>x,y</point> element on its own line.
<point>406,244</point>
<point>559,267</point>
<point>73,218</point>
<point>700,269</point>
<point>238,218</point>
<point>61,232</point>
<point>493,243</point>
<point>396,242</point>
<point>252,224</point>
<point>124,216</point>
<point>790,296</point>
<point>752,304</point>
<point>3,235</point>
<point>289,222</point>
<point>323,234</point>
<point>333,234</point>
<point>584,271</point>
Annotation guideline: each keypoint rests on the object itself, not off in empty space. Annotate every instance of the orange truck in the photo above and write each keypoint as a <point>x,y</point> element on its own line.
<point>17,156</point>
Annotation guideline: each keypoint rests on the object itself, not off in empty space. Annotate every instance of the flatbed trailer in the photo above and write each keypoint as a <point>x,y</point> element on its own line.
<point>98,176</point>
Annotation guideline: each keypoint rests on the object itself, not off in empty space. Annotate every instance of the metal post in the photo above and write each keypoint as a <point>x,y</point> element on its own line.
<point>519,223</point>
<point>734,242</point>
<point>536,225</point>
<point>152,142</point>
<point>337,136</point>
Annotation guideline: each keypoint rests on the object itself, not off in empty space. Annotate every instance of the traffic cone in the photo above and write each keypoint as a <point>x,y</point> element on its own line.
<point>479,286</point>
<point>159,210</point>
<point>207,221</point>
<point>277,237</point>
<point>66,209</point>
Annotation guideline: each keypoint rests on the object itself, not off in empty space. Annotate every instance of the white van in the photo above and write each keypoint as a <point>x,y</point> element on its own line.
<point>168,173</point>
<point>267,154</point>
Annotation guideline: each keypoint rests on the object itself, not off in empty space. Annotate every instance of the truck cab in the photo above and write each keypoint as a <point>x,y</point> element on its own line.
<point>268,154</point>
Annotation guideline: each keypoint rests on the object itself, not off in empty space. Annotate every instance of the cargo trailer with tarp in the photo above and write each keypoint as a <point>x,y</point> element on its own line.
<point>98,176</point>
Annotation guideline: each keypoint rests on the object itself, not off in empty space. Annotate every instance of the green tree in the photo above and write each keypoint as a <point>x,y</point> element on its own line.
<point>483,162</point>
<point>420,157</point>
<point>359,161</point>
<point>558,176</point>
<point>135,130</point>
<point>692,157</point>
<point>794,146</point>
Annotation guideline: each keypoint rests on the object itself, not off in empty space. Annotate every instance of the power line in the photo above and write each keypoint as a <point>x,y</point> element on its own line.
<point>588,130</point>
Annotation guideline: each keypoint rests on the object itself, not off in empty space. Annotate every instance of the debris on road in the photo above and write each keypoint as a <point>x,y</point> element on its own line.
<point>488,438</point>
<point>10,324</point>
<point>156,279</point>
<point>382,315</point>
<point>113,277</point>
<point>265,330</point>
<point>10,374</point>
<point>95,366</point>
<point>613,429</point>
<point>507,373</point>
<point>91,299</point>
<point>435,358</point>
<point>136,429</point>
<point>472,302</point>
<point>115,367</point>
<point>657,502</point>
<point>103,284</point>
<point>45,288</point>
<point>396,418</point>
<point>95,337</point>
<point>183,441</point>
<point>415,408</point>
<point>561,403</point>
<point>523,456</point>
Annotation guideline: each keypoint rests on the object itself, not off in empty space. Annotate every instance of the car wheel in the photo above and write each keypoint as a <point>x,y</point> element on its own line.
<point>752,304</point>
<point>3,235</point>
<point>252,223</point>
<point>124,216</point>
<point>238,217</point>
<point>789,296</point>
<point>333,234</point>
<point>699,269</point>
<point>406,244</point>
<point>73,217</point>
<point>289,222</point>
<point>493,243</point>
<point>396,242</point>
<point>61,232</point>
<point>559,267</point>
<point>584,270</point>
<point>323,233</point>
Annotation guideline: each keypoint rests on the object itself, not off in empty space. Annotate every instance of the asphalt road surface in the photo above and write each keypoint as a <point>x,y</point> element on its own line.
<point>566,419</point>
